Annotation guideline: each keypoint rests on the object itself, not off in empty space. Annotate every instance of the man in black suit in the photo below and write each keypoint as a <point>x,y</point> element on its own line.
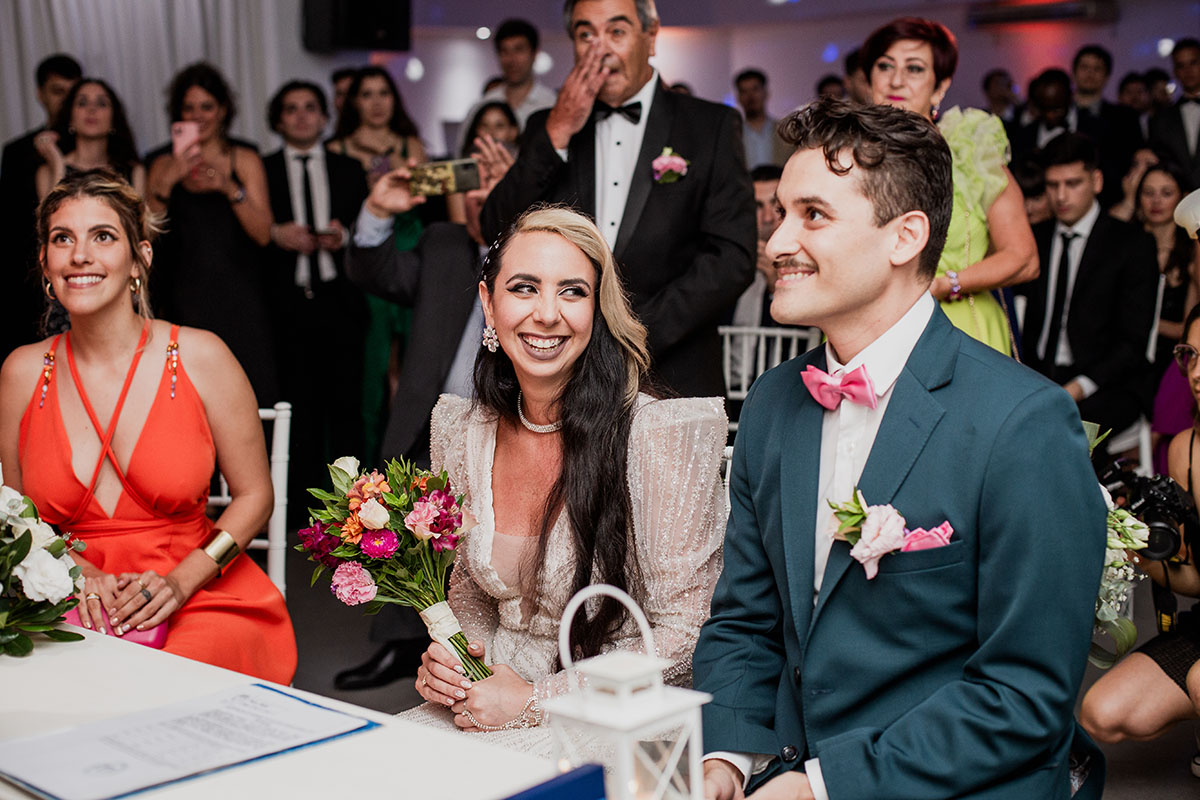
<point>1114,127</point>
<point>315,196</point>
<point>1091,310</point>
<point>1175,130</point>
<point>19,284</point>
<point>439,279</point>
<point>684,238</point>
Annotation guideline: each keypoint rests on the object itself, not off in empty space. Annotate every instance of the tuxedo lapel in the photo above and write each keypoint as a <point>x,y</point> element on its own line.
<point>582,165</point>
<point>911,416</point>
<point>654,139</point>
<point>800,460</point>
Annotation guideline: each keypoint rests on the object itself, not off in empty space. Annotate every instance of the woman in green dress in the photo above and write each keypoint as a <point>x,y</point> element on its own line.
<point>910,63</point>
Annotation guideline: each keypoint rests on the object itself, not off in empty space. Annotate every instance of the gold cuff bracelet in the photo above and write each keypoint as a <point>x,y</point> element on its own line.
<point>221,548</point>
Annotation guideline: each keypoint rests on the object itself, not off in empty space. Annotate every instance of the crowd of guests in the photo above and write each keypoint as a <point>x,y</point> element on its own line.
<point>619,221</point>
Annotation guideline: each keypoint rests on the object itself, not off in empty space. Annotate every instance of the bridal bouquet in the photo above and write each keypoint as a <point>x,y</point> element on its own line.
<point>38,577</point>
<point>391,538</point>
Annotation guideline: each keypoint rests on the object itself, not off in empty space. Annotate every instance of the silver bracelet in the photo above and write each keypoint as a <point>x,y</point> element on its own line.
<point>530,717</point>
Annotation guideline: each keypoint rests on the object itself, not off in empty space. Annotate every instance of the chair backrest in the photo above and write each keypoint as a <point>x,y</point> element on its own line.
<point>275,541</point>
<point>726,469</point>
<point>749,351</point>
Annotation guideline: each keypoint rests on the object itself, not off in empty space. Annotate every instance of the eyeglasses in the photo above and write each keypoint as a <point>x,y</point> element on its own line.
<point>1185,354</point>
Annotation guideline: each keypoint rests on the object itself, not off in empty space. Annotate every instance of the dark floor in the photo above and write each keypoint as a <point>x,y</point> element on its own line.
<point>332,636</point>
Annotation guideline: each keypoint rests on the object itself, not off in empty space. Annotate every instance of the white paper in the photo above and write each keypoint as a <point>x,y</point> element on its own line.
<point>126,754</point>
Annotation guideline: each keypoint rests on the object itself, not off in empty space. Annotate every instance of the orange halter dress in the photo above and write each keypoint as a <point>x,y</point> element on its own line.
<point>239,620</point>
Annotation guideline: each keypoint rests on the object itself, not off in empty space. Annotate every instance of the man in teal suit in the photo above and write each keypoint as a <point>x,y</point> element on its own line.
<point>929,673</point>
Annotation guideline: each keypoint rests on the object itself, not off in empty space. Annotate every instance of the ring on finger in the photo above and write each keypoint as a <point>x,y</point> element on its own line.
<point>146,594</point>
<point>91,596</point>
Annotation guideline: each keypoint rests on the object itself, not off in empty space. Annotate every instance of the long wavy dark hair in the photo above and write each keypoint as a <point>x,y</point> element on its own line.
<point>1176,268</point>
<point>596,408</point>
<point>209,78</point>
<point>122,152</point>
<point>349,120</point>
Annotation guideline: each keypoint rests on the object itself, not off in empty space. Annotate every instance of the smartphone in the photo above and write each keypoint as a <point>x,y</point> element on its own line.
<point>444,177</point>
<point>183,136</point>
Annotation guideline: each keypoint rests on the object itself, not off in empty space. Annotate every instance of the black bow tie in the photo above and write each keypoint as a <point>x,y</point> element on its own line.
<point>631,112</point>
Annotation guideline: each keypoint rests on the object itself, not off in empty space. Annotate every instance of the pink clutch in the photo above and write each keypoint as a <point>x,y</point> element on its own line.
<point>154,637</point>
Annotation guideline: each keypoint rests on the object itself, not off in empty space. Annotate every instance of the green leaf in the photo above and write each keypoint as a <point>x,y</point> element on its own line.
<point>320,494</point>
<point>1092,431</point>
<point>316,575</point>
<point>1124,635</point>
<point>342,483</point>
<point>57,548</point>
<point>20,548</point>
<point>35,628</point>
<point>64,636</point>
<point>30,510</point>
<point>20,645</point>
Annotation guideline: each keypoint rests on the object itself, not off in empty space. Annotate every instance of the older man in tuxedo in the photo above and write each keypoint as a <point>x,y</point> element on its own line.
<point>682,231</point>
<point>1175,130</point>
<point>937,662</point>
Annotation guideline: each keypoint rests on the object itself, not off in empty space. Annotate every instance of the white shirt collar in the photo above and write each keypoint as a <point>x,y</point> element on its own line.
<point>1083,227</point>
<point>316,151</point>
<point>885,357</point>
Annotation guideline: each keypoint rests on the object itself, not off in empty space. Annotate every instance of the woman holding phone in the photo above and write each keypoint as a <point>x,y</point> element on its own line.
<point>214,193</point>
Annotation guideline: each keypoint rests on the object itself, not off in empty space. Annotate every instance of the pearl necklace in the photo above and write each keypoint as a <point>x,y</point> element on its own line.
<point>551,428</point>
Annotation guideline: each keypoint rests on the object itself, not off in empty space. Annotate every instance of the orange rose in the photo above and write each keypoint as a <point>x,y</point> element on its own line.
<point>352,529</point>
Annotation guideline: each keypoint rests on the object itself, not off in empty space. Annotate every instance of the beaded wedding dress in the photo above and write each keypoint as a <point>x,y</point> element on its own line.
<point>679,513</point>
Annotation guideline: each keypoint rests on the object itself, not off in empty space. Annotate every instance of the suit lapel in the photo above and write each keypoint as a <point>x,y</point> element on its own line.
<point>911,416</point>
<point>799,473</point>
<point>654,139</point>
<point>582,165</point>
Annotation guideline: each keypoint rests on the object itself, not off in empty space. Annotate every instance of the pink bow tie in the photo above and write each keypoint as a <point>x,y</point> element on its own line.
<point>827,390</point>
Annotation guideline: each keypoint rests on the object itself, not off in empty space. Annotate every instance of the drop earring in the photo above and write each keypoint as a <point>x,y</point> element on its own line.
<point>490,340</point>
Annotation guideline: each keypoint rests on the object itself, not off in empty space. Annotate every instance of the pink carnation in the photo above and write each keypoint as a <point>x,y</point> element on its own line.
<point>379,544</point>
<point>352,584</point>
<point>422,519</point>
<point>669,166</point>
<point>921,539</point>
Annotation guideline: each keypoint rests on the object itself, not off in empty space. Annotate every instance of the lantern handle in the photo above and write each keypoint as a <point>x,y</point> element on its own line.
<point>586,593</point>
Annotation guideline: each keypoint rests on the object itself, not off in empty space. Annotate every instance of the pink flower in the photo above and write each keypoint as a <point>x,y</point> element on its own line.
<point>444,541</point>
<point>371,485</point>
<point>669,167</point>
<point>422,519</point>
<point>921,539</point>
<point>379,544</point>
<point>882,533</point>
<point>352,584</point>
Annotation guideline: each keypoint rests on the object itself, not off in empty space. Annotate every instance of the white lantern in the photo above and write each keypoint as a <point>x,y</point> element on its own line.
<point>650,733</point>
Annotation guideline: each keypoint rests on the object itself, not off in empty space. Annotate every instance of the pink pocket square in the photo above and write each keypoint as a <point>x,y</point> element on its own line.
<point>921,539</point>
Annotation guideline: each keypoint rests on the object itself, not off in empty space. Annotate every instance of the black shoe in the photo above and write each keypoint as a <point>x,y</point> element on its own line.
<point>391,662</point>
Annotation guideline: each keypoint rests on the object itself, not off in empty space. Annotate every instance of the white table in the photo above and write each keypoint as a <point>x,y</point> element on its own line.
<point>65,684</point>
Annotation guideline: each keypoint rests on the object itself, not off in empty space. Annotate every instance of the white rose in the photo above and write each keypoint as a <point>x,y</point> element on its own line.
<point>44,577</point>
<point>348,465</point>
<point>373,515</point>
<point>12,503</point>
<point>43,534</point>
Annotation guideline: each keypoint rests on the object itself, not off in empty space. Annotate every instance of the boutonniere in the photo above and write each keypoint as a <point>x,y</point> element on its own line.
<point>669,167</point>
<point>875,531</point>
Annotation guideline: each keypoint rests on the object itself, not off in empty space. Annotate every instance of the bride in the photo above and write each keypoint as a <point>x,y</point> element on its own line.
<point>576,476</point>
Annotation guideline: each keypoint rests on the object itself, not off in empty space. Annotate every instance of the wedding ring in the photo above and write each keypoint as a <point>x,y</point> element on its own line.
<point>139,583</point>
<point>211,172</point>
<point>424,682</point>
<point>146,594</point>
<point>91,596</point>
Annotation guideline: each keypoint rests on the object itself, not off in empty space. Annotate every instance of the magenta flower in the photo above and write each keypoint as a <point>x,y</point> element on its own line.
<point>449,516</point>
<point>320,544</point>
<point>444,541</point>
<point>352,584</point>
<point>379,544</point>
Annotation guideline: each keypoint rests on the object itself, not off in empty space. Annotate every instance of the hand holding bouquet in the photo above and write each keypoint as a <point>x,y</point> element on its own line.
<point>391,538</point>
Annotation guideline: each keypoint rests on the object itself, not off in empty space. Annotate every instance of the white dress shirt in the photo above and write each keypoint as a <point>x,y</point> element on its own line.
<point>1082,230</point>
<point>847,436</point>
<point>319,182</point>
<point>618,143</point>
<point>759,144</point>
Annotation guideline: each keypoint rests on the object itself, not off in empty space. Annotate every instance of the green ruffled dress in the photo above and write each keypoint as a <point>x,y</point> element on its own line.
<point>980,150</point>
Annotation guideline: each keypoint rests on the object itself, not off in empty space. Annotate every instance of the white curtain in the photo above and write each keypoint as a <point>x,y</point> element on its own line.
<point>138,45</point>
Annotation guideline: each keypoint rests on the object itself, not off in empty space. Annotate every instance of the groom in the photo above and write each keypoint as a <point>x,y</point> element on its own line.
<point>953,670</point>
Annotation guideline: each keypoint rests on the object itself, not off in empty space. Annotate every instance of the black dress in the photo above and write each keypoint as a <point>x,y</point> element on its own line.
<point>209,274</point>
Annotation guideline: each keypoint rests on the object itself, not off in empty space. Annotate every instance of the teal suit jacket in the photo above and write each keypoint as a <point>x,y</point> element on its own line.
<point>954,672</point>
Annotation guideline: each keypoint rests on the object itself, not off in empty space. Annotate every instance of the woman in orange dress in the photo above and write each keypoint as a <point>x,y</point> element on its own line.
<point>114,429</point>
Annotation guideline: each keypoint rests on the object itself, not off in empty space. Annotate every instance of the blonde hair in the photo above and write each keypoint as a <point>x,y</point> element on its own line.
<point>137,221</point>
<point>628,332</point>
